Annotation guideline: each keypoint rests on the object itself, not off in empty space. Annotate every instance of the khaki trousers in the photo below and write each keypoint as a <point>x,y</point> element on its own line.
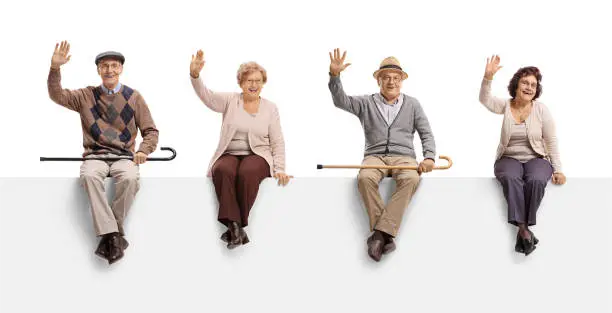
<point>387,218</point>
<point>108,219</point>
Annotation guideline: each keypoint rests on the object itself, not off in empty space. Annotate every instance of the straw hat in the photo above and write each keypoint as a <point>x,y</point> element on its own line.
<point>390,63</point>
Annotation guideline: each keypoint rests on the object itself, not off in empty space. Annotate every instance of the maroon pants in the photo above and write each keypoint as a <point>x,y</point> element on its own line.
<point>236,180</point>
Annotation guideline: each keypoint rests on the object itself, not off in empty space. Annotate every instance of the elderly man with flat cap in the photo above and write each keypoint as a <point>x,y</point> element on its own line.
<point>111,115</point>
<point>389,119</point>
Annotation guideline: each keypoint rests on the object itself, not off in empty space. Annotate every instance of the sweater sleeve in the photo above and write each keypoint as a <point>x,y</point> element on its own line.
<point>277,142</point>
<point>549,135</point>
<point>71,99</point>
<point>216,101</point>
<point>421,124</point>
<point>148,130</point>
<point>493,104</point>
<point>341,100</point>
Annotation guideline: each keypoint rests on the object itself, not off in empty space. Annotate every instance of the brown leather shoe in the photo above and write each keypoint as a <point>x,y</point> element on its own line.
<point>124,242</point>
<point>235,238</point>
<point>116,245</point>
<point>244,239</point>
<point>375,247</point>
<point>225,237</point>
<point>389,246</point>
<point>102,250</point>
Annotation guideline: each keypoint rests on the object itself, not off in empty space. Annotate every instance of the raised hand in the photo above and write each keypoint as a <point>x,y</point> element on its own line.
<point>60,55</point>
<point>337,63</point>
<point>492,67</point>
<point>197,64</point>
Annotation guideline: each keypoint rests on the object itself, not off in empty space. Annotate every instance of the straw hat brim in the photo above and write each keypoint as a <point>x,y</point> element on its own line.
<point>404,74</point>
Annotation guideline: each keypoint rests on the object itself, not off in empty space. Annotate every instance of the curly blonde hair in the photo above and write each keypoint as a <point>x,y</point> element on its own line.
<point>248,68</point>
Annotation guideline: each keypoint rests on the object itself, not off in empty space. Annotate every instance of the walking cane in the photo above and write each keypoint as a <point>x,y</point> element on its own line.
<point>391,167</point>
<point>42,159</point>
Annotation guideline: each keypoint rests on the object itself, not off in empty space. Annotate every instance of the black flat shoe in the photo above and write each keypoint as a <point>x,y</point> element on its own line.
<point>535,239</point>
<point>518,246</point>
<point>528,245</point>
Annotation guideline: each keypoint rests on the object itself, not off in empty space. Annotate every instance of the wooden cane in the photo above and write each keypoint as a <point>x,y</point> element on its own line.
<point>391,167</point>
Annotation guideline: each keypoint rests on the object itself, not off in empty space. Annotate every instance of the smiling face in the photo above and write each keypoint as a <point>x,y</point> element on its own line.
<point>251,85</point>
<point>390,83</point>
<point>526,89</point>
<point>110,70</point>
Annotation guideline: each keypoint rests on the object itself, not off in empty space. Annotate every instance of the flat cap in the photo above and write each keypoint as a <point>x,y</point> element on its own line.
<point>110,54</point>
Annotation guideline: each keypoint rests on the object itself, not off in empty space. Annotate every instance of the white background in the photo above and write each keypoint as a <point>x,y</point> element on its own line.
<point>442,45</point>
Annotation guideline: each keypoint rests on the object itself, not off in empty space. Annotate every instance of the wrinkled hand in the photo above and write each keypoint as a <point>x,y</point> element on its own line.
<point>283,179</point>
<point>492,67</point>
<point>140,157</point>
<point>337,63</point>
<point>197,64</point>
<point>60,55</point>
<point>558,178</point>
<point>425,166</point>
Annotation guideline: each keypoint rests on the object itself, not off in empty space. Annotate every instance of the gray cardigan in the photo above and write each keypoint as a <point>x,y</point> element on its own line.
<point>381,138</point>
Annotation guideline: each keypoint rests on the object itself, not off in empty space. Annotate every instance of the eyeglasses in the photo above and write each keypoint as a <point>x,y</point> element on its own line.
<point>107,66</point>
<point>387,79</point>
<point>254,81</point>
<point>527,84</point>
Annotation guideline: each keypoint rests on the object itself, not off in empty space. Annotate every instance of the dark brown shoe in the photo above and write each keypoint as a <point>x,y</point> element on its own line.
<point>235,238</point>
<point>244,239</point>
<point>225,237</point>
<point>389,246</point>
<point>375,247</point>
<point>116,245</point>
<point>124,242</point>
<point>102,250</point>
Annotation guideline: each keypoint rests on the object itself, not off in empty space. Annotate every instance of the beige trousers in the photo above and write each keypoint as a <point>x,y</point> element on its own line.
<point>389,218</point>
<point>108,219</point>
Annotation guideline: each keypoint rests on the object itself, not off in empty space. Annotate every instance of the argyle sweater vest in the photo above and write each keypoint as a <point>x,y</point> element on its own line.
<point>109,123</point>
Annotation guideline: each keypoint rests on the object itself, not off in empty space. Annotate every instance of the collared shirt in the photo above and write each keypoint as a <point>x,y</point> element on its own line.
<point>109,91</point>
<point>388,111</point>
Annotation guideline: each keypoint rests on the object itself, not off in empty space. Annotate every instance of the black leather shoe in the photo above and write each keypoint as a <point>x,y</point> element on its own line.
<point>518,246</point>
<point>528,245</point>
<point>535,239</point>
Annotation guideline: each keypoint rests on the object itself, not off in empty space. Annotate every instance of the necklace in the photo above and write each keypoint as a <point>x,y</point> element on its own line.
<point>521,112</point>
